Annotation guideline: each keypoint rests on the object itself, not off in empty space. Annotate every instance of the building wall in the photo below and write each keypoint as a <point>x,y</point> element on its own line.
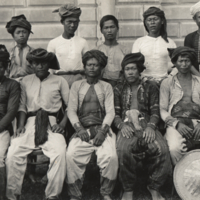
<point>46,25</point>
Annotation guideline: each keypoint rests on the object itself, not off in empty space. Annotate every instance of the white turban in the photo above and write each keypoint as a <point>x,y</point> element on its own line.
<point>195,9</point>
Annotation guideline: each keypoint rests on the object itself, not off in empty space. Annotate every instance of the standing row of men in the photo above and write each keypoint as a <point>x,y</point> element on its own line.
<point>134,106</point>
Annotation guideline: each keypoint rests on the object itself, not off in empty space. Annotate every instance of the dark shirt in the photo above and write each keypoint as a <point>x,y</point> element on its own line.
<point>9,102</point>
<point>192,41</point>
<point>147,98</point>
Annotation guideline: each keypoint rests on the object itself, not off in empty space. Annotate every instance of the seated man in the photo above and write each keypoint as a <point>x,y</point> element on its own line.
<point>91,112</point>
<point>180,104</point>
<point>139,142</point>
<point>41,99</point>
<point>9,103</point>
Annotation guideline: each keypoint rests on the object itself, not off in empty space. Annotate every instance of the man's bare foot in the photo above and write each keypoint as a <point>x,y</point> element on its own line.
<point>106,197</point>
<point>127,196</point>
<point>32,178</point>
<point>155,194</point>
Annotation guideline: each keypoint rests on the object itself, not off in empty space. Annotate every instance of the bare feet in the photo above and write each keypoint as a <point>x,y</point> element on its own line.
<point>127,196</point>
<point>155,194</point>
<point>106,197</point>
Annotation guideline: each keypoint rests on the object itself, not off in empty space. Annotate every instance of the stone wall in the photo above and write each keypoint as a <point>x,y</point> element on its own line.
<point>46,25</point>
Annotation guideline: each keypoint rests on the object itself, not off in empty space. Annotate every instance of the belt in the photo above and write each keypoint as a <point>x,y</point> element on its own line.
<point>31,114</point>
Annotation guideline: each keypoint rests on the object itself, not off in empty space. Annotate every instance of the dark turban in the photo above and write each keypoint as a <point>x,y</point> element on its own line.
<point>68,10</point>
<point>183,51</point>
<point>100,56</point>
<point>41,55</point>
<point>156,11</point>
<point>18,21</point>
<point>136,58</point>
<point>4,55</point>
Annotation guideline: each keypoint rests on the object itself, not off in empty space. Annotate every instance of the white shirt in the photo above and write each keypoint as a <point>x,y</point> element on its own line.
<point>157,60</point>
<point>69,52</point>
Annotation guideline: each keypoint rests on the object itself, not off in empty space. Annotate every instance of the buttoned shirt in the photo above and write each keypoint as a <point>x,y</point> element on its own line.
<point>157,60</point>
<point>69,52</point>
<point>171,93</point>
<point>104,94</point>
<point>46,94</point>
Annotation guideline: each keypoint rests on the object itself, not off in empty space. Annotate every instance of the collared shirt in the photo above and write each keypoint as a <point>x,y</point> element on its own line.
<point>147,99</point>
<point>19,66</point>
<point>69,52</point>
<point>46,94</point>
<point>157,60</point>
<point>115,55</point>
<point>9,101</point>
<point>171,93</point>
<point>104,93</point>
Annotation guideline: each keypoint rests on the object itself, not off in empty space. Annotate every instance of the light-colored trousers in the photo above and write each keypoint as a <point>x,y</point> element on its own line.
<point>176,143</point>
<point>78,156</point>
<point>54,148</point>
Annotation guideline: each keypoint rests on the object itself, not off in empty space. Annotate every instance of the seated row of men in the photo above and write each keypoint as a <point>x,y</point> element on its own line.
<point>133,106</point>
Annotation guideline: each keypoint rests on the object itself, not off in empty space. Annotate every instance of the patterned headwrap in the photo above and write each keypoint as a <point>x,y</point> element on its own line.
<point>100,56</point>
<point>183,50</point>
<point>42,55</point>
<point>156,11</point>
<point>195,9</point>
<point>68,10</point>
<point>4,55</point>
<point>136,58</point>
<point>18,21</point>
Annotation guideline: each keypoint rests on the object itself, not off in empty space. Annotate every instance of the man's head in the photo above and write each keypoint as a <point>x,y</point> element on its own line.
<point>4,60</point>
<point>69,17</point>
<point>195,12</point>
<point>109,27</point>
<point>155,21</point>
<point>183,58</point>
<point>42,61</point>
<point>19,28</point>
<point>133,66</point>
<point>94,61</point>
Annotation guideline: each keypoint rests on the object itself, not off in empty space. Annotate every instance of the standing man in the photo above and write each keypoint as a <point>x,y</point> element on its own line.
<point>68,47</point>
<point>41,99</point>
<point>20,28</point>
<point>9,103</point>
<point>144,142</point>
<point>180,104</point>
<point>91,112</point>
<point>192,40</point>
<point>109,28</point>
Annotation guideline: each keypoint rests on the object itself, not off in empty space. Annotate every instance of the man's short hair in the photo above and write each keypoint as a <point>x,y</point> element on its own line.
<point>107,18</point>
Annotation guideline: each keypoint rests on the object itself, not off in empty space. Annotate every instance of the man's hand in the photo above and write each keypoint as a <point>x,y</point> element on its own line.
<point>19,131</point>
<point>149,135</point>
<point>127,131</point>
<point>83,134</point>
<point>99,138</point>
<point>184,130</point>
<point>56,128</point>
<point>196,132</point>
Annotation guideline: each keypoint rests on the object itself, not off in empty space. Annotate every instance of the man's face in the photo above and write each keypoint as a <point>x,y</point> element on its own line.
<point>183,64</point>
<point>21,35</point>
<point>109,30</point>
<point>131,73</point>
<point>153,23</point>
<point>2,69</point>
<point>197,19</point>
<point>41,69</point>
<point>92,68</point>
<point>70,25</point>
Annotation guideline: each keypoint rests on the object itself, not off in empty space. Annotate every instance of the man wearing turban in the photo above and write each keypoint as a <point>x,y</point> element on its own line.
<point>68,47</point>
<point>9,103</point>
<point>91,112</point>
<point>20,30</point>
<point>192,40</point>
<point>42,96</point>
<point>180,105</point>
<point>137,116</point>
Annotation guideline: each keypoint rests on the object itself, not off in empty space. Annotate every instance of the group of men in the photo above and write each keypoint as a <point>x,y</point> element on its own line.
<point>97,88</point>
